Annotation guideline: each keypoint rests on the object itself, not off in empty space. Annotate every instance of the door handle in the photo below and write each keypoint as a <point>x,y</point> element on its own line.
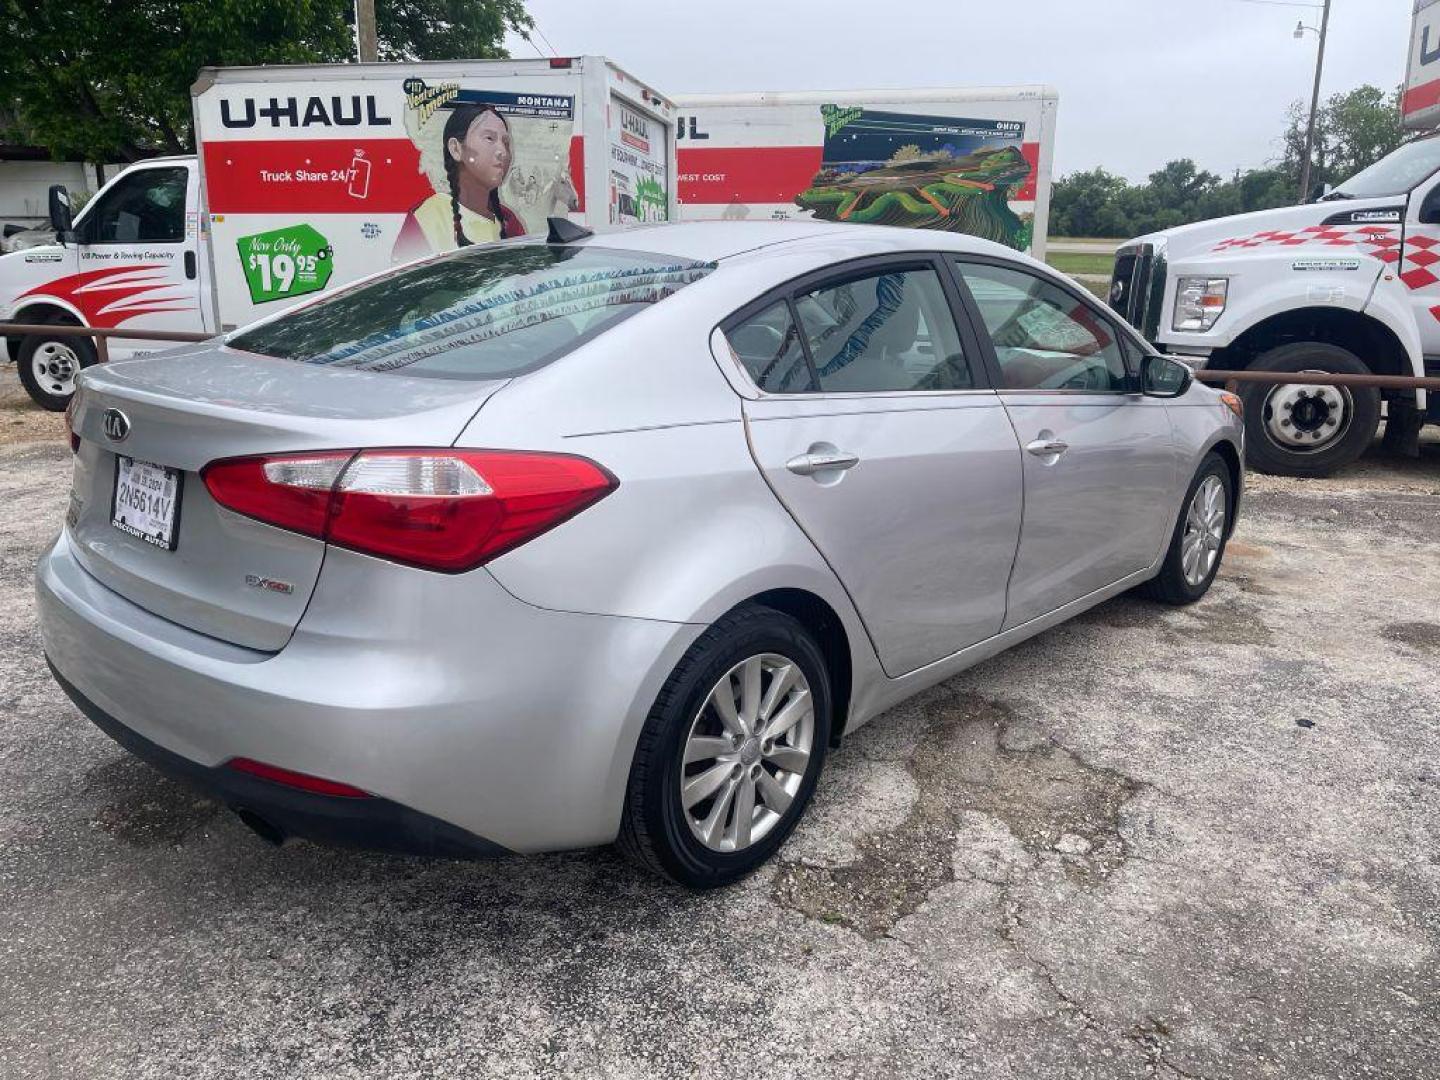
<point>810,464</point>
<point>190,265</point>
<point>1046,447</point>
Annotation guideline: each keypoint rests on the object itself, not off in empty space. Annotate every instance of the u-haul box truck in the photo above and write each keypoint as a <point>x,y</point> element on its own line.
<point>971,160</point>
<point>310,177</point>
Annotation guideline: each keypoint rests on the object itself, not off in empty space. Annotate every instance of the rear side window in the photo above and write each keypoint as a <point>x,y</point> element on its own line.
<point>478,313</point>
<point>886,331</point>
<point>769,346</point>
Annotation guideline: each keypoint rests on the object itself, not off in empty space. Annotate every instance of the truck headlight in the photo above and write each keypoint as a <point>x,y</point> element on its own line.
<point>1199,302</point>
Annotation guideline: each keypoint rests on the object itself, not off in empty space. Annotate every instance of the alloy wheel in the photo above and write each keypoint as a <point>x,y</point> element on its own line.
<point>747,752</point>
<point>1204,531</point>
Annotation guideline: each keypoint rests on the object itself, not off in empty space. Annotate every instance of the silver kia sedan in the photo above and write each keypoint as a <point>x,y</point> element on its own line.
<point>588,539</point>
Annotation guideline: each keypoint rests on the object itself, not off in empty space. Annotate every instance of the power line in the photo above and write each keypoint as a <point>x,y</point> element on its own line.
<point>553,50</point>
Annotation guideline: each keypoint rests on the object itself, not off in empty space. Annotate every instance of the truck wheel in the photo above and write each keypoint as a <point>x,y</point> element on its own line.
<point>48,366</point>
<point>1299,430</point>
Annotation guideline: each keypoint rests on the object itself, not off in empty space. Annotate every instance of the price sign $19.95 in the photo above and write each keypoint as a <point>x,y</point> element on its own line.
<point>285,263</point>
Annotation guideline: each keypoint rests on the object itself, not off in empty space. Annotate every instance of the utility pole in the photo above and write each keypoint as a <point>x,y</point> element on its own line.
<point>369,49</point>
<point>1314,100</point>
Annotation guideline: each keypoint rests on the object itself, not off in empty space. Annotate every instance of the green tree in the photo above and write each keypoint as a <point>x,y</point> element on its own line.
<point>102,81</point>
<point>1352,131</point>
<point>1083,204</point>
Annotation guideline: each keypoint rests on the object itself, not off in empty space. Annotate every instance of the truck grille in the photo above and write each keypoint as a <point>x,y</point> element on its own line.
<point>1137,287</point>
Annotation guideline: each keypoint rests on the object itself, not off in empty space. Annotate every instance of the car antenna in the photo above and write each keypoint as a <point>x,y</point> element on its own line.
<point>565,231</point>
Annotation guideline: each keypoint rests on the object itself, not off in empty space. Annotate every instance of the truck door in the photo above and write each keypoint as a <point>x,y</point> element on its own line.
<point>1419,266</point>
<point>138,263</point>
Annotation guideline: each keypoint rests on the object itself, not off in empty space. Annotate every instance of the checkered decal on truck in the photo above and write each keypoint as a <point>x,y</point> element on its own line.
<point>1380,241</point>
<point>1416,258</point>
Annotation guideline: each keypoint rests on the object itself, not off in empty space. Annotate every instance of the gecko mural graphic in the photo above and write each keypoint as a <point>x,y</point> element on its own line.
<point>921,172</point>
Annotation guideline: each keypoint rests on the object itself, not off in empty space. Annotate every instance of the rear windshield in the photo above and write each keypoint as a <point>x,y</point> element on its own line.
<point>478,313</point>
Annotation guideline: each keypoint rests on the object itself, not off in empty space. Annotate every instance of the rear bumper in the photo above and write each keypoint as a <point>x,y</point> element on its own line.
<point>372,824</point>
<point>443,696</point>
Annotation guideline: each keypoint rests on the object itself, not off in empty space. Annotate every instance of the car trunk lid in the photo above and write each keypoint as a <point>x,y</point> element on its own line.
<point>223,574</point>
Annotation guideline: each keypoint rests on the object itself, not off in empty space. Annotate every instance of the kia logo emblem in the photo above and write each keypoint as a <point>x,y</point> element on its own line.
<point>117,425</point>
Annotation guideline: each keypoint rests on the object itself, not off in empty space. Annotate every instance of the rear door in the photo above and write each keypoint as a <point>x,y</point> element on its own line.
<point>1100,464</point>
<point>138,259</point>
<point>873,424</point>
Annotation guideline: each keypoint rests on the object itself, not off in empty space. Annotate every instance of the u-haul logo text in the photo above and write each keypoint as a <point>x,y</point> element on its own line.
<point>333,111</point>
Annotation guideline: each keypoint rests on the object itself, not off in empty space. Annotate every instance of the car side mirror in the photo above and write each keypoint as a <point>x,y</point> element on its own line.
<point>1162,377</point>
<point>60,219</point>
<point>1430,208</point>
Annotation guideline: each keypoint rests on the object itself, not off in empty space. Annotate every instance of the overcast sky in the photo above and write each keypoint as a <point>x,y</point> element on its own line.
<point>1140,81</point>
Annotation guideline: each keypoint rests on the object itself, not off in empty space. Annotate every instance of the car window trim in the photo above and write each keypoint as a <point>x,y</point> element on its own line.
<point>849,270</point>
<point>1130,347</point>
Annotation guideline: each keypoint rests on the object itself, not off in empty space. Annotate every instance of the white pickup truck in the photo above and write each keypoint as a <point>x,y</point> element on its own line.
<point>1347,284</point>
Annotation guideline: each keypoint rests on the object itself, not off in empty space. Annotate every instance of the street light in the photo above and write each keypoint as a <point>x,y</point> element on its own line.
<point>1300,29</point>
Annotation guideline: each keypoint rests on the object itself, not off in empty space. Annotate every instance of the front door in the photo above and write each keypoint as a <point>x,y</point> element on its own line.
<point>1099,460</point>
<point>138,259</point>
<point>875,430</point>
<point>1419,266</point>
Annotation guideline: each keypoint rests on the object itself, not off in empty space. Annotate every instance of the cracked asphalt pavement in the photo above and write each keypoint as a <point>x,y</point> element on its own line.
<point>1149,843</point>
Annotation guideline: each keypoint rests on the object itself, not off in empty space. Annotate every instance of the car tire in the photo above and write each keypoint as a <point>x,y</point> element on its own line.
<point>1180,580</point>
<point>48,365</point>
<point>1340,422</point>
<point>675,755</point>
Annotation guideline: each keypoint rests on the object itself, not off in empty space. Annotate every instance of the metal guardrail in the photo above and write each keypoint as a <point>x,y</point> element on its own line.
<point>1307,378</point>
<point>8,329</point>
<point>1207,375</point>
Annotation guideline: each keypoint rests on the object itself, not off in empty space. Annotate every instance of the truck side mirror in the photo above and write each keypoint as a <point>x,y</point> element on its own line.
<point>60,219</point>
<point>1430,208</point>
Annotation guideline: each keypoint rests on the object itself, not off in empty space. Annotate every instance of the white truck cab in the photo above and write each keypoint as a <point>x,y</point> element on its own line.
<point>133,255</point>
<point>1347,284</point>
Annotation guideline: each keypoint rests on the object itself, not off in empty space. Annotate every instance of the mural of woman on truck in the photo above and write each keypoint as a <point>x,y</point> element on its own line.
<point>921,172</point>
<point>469,145</point>
<point>478,156</point>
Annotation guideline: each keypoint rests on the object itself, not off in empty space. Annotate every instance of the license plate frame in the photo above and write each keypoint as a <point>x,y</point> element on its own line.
<point>166,537</point>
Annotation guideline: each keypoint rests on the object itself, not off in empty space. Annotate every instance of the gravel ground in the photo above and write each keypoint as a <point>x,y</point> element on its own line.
<point>1150,843</point>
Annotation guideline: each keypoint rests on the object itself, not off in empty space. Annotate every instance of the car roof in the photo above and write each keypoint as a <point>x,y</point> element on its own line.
<point>712,241</point>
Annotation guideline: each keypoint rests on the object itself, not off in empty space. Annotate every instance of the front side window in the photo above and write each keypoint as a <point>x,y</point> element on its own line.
<point>477,313</point>
<point>143,207</point>
<point>1045,339</point>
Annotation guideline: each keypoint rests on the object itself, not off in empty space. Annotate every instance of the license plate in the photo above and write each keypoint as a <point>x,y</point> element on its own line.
<point>146,502</point>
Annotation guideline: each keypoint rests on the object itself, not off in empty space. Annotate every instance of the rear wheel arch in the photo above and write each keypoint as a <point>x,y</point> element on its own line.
<point>823,621</point>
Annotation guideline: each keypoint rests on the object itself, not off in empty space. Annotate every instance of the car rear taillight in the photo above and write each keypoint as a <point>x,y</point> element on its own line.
<point>448,510</point>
